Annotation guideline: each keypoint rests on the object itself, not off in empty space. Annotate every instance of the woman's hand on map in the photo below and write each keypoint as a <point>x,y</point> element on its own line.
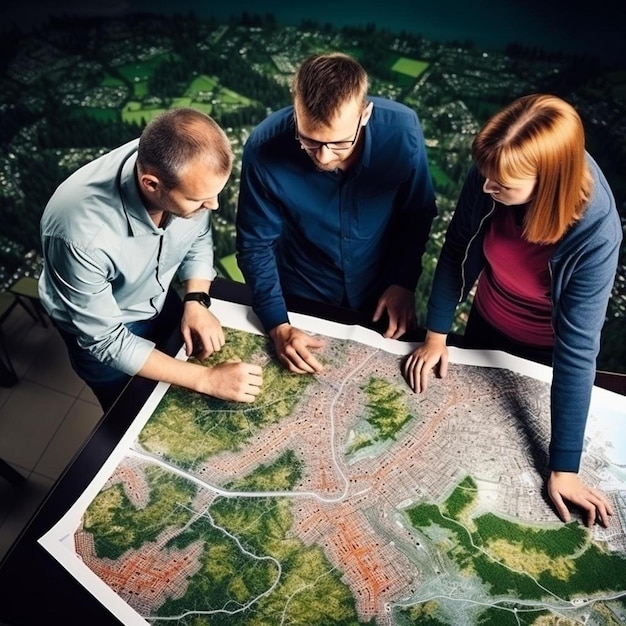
<point>431,355</point>
<point>292,349</point>
<point>568,486</point>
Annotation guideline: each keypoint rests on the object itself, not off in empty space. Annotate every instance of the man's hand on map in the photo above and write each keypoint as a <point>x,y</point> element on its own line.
<point>568,486</point>
<point>234,380</point>
<point>292,349</point>
<point>201,330</point>
<point>431,355</point>
<point>399,302</point>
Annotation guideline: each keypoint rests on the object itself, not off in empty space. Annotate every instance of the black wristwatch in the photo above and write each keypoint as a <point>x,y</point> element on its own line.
<point>198,296</point>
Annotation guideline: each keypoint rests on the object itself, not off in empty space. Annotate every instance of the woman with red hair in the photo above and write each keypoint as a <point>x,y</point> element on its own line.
<point>536,225</point>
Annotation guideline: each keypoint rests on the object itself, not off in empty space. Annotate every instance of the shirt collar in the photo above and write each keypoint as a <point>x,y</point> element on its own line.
<point>136,215</point>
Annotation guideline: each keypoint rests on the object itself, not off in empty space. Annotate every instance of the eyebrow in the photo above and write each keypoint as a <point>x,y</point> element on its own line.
<point>495,180</point>
<point>188,199</point>
<point>318,141</point>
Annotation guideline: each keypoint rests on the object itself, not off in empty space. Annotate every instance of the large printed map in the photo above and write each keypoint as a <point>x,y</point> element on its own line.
<point>344,498</point>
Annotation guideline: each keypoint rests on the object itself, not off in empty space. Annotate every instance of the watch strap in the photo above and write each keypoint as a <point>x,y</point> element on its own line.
<point>198,296</point>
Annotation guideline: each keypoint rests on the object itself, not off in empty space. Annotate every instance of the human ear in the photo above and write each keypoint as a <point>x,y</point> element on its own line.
<point>149,183</point>
<point>367,113</point>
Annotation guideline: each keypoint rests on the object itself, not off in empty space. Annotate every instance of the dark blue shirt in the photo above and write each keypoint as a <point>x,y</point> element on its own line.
<point>333,237</point>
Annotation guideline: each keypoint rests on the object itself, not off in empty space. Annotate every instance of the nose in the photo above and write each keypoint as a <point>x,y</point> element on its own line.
<point>324,154</point>
<point>490,186</point>
<point>211,205</point>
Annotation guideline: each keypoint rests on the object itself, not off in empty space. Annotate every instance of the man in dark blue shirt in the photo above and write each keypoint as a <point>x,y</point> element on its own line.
<point>335,205</point>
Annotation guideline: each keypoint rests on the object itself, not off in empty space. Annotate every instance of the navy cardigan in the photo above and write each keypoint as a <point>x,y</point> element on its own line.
<point>582,271</point>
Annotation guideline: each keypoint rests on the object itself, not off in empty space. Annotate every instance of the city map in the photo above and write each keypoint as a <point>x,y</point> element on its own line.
<point>345,498</point>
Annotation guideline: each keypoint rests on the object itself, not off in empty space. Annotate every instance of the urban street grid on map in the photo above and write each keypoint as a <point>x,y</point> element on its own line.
<point>344,498</point>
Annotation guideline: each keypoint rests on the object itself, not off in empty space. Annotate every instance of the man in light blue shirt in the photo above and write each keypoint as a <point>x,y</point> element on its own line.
<point>114,236</point>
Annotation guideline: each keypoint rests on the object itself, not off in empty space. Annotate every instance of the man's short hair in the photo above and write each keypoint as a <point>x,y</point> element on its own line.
<point>325,82</point>
<point>178,136</point>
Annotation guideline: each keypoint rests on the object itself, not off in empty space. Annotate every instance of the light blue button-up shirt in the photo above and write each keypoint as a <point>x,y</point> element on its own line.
<point>107,264</point>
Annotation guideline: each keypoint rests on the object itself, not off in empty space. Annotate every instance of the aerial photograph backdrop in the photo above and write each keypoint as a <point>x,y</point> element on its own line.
<point>78,79</point>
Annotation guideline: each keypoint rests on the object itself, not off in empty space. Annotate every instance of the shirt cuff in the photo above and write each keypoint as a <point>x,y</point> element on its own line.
<point>272,317</point>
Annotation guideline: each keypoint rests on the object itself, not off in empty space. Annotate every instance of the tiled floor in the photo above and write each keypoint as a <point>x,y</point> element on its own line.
<point>44,418</point>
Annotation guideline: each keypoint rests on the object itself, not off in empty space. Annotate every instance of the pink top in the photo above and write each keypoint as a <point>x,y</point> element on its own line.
<point>513,292</point>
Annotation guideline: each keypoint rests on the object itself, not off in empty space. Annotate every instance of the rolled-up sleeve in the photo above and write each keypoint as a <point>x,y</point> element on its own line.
<point>77,282</point>
<point>199,261</point>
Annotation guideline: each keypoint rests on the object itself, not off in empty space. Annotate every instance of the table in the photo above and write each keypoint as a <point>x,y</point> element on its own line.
<point>34,588</point>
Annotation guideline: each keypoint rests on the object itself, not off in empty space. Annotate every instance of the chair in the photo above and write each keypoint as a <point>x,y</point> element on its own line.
<point>24,293</point>
<point>10,474</point>
<point>8,375</point>
<point>26,289</point>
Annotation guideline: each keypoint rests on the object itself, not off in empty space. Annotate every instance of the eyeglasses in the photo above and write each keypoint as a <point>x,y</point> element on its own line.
<point>335,146</point>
